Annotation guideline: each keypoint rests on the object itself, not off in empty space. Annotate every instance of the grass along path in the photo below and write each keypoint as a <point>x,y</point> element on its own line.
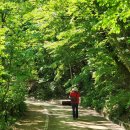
<point>53,116</point>
<point>36,118</point>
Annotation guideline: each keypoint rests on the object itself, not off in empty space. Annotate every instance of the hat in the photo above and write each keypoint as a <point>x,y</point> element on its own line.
<point>74,89</point>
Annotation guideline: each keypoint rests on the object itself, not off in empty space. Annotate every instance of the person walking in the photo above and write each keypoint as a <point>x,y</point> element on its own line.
<point>74,96</point>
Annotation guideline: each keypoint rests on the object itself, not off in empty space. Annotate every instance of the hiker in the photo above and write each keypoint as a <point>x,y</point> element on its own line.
<point>74,96</point>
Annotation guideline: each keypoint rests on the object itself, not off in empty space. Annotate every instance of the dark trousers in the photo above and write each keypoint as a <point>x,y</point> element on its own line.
<point>75,110</point>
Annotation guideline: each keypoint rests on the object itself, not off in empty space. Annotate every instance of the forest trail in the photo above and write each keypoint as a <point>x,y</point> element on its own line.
<point>53,116</point>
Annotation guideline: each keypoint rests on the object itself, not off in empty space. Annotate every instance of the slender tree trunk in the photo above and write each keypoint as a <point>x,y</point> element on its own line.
<point>71,75</point>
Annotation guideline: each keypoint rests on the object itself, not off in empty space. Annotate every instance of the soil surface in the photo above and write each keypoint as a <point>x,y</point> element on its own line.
<point>52,115</point>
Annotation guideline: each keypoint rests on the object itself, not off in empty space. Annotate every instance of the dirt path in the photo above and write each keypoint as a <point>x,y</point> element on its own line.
<point>52,116</point>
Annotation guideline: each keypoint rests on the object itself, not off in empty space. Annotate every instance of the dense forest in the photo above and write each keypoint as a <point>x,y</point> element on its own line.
<point>46,46</point>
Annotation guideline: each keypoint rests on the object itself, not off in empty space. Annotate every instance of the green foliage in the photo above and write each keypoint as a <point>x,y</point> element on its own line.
<point>118,106</point>
<point>16,60</point>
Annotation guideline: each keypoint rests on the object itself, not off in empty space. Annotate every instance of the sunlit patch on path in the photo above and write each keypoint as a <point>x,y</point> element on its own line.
<point>54,116</point>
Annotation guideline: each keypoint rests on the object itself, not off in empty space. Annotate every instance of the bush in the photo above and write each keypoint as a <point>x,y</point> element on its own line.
<point>118,105</point>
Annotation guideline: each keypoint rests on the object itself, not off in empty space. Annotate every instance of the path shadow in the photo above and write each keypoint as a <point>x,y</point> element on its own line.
<point>61,119</point>
<point>33,119</point>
